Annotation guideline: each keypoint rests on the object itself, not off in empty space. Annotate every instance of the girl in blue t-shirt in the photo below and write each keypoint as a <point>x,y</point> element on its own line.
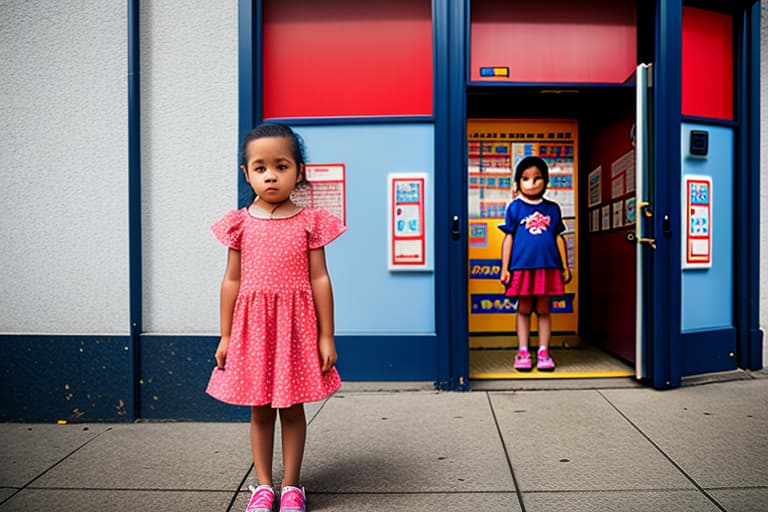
<point>533,258</point>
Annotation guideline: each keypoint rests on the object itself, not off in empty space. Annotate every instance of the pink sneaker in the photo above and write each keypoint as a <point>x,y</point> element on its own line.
<point>523,361</point>
<point>262,499</point>
<point>544,362</point>
<point>293,499</point>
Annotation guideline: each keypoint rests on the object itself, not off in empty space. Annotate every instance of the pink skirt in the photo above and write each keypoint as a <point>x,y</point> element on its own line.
<point>538,281</point>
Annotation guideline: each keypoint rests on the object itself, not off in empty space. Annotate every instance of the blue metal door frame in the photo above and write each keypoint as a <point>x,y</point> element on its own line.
<point>453,362</point>
<point>747,259</point>
<point>662,304</point>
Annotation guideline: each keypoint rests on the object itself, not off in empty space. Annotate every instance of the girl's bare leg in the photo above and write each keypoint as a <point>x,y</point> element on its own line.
<point>263,441</point>
<point>523,321</point>
<point>293,425</point>
<point>545,321</point>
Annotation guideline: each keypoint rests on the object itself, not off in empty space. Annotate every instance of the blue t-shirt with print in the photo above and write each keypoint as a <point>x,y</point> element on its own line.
<point>534,229</point>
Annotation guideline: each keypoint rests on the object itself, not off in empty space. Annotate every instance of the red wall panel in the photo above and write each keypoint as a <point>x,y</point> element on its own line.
<point>707,64</point>
<point>347,58</point>
<point>554,40</point>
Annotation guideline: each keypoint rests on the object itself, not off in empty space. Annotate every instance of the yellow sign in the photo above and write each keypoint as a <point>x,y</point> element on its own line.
<point>495,146</point>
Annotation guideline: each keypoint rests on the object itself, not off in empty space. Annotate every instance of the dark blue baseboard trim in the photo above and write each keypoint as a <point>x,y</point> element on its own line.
<point>88,378</point>
<point>407,357</point>
<point>709,351</point>
<point>755,341</point>
<point>176,370</point>
<point>72,378</point>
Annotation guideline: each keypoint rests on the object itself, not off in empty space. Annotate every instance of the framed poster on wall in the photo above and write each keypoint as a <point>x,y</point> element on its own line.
<point>406,246</point>
<point>325,188</point>
<point>697,221</point>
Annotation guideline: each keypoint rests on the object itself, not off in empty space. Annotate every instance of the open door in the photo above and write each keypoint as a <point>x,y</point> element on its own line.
<point>644,211</point>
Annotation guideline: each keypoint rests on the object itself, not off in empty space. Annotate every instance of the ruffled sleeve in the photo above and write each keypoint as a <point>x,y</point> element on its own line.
<point>229,229</point>
<point>324,228</point>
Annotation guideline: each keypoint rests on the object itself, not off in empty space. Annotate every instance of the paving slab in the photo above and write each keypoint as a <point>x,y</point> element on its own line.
<point>28,450</point>
<point>624,501</point>
<point>575,440</point>
<point>153,456</point>
<point>89,500</point>
<point>423,502</point>
<point>405,442</point>
<point>716,433</point>
<point>554,383</point>
<point>742,500</point>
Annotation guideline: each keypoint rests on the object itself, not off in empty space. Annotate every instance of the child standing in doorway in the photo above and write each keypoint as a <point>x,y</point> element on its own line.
<point>534,260</point>
<point>277,349</point>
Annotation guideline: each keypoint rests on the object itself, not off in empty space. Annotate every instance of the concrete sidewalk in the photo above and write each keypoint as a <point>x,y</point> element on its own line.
<point>555,446</point>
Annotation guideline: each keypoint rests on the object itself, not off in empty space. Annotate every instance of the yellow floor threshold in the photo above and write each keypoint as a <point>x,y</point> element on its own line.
<point>583,362</point>
<point>557,374</point>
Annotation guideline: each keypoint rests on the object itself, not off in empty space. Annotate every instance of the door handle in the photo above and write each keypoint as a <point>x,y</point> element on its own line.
<point>633,238</point>
<point>455,233</point>
<point>645,210</point>
<point>645,207</point>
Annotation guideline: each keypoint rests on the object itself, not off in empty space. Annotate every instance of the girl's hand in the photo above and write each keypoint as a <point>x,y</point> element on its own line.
<point>505,276</point>
<point>328,356</point>
<point>221,352</point>
<point>567,276</point>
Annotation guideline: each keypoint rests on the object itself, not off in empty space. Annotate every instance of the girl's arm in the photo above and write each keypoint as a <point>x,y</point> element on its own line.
<point>230,285</point>
<point>323,295</point>
<point>506,252</point>
<point>563,250</point>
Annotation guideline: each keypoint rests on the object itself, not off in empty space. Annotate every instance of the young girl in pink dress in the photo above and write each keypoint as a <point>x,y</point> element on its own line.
<point>277,349</point>
<point>533,258</point>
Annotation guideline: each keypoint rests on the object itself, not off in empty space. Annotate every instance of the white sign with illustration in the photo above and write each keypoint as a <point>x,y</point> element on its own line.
<point>697,221</point>
<point>406,248</point>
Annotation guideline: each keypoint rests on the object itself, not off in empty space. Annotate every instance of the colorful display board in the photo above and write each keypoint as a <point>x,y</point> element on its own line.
<point>494,149</point>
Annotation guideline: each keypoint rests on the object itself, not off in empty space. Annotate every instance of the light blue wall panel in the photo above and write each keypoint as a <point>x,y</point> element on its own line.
<point>370,299</point>
<point>707,294</point>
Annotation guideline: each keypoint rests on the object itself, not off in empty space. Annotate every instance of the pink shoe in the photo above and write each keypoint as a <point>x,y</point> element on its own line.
<point>262,499</point>
<point>523,361</point>
<point>293,499</point>
<point>544,362</point>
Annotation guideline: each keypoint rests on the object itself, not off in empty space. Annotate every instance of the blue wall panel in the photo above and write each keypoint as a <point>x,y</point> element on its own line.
<point>370,299</point>
<point>707,294</point>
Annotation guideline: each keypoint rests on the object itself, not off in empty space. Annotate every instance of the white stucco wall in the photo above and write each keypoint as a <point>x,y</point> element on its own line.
<point>64,165</point>
<point>189,158</point>
<point>764,177</point>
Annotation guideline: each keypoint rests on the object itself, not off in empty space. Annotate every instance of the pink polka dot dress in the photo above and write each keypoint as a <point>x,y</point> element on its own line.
<point>273,356</point>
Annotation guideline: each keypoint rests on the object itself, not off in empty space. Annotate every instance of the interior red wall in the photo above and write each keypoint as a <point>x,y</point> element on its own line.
<point>611,261</point>
<point>347,58</point>
<point>707,64</point>
<point>554,40</point>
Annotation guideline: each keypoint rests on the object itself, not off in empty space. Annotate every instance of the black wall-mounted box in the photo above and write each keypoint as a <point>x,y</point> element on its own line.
<point>699,142</point>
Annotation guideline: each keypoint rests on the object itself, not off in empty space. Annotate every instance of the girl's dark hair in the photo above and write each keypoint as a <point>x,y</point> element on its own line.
<point>246,195</point>
<point>275,130</point>
<point>531,161</point>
